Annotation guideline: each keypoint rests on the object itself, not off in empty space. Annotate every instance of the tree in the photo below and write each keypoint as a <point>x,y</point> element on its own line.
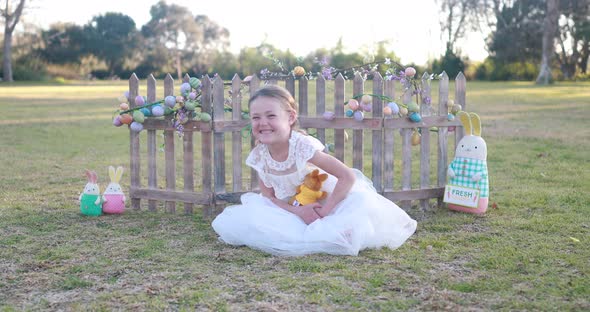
<point>185,36</point>
<point>112,38</point>
<point>549,34</point>
<point>11,19</point>
<point>63,43</point>
<point>574,37</point>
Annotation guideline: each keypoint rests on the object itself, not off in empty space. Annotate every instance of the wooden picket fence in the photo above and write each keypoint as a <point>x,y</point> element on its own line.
<point>226,131</point>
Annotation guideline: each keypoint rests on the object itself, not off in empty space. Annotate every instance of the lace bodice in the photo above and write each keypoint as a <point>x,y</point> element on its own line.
<point>285,176</point>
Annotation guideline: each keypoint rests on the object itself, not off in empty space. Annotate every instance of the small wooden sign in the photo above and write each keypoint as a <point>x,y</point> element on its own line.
<point>460,195</point>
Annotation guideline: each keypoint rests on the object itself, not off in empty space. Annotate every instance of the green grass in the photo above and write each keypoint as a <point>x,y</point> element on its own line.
<point>529,253</point>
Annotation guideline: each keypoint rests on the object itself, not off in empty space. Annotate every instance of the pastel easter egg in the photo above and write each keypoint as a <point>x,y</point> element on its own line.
<point>367,107</point>
<point>126,119</point>
<point>394,107</point>
<point>413,107</point>
<point>205,117</point>
<point>387,111</point>
<point>123,106</point>
<point>136,126</point>
<point>415,117</point>
<point>192,95</point>
<point>139,100</point>
<point>170,100</point>
<point>367,98</point>
<point>185,88</point>
<point>451,128</point>
<point>450,102</point>
<point>410,72</point>
<point>359,115</point>
<point>138,116</point>
<point>194,82</point>
<point>299,71</point>
<point>415,138</point>
<point>179,99</point>
<point>190,105</point>
<point>403,111</point>
<point>329,115</point>
<point>349,113</point>
<point>456,108</point>
<point>158,111</point>
<point>117,121</point>
<point>353,104</point>
<point>146,112</point>
<point>126,94</point>
<point>122,98</point>
<point>450,117</point>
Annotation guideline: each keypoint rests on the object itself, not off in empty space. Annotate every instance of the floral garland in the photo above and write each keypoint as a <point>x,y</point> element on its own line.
<point>188,104</point>
<point>181,108</point>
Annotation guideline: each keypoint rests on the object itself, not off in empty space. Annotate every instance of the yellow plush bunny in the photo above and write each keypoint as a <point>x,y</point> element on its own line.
<point>310,190</point>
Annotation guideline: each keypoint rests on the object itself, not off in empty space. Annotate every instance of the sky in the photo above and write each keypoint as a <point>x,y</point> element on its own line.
<point>410,26</point>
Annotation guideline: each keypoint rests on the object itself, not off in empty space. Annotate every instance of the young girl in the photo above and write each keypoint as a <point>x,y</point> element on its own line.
<point>353,216</point>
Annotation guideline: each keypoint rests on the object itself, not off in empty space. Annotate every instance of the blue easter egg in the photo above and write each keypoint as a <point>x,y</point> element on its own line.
<point>158,111</point>
<point>394,108</point>
<point>136,126</point>
<point>185,88</point>
<point>349,113</point>
<point>415,117</point>
<point>170,101</point>
<point>450,117</point>
<point>146,111</point>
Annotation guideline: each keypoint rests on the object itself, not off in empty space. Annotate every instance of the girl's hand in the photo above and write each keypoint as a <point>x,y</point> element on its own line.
<point>308,213</point>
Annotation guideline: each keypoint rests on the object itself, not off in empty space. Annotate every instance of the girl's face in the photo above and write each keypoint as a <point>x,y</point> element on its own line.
<point>271,122</point>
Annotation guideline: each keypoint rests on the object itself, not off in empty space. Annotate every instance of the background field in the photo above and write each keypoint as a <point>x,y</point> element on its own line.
<point>529,252</point>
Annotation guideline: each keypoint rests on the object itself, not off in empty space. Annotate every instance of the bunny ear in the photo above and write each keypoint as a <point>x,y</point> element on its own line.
<point>118,174</point>
<point>112,174</point>
<point>466,121</point>
<point>89,175</point>
<point>93,177</point>
<point>476,123</point>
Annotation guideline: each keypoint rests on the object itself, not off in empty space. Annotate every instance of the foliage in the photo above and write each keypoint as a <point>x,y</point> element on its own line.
<point>64,44</point>
<point>493,70</point>
<point>450,63</point>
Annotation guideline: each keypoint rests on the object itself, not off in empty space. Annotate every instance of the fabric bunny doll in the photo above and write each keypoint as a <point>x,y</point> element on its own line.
<point>113,195</point>
<point>469,169</point>
<point>91,200</point>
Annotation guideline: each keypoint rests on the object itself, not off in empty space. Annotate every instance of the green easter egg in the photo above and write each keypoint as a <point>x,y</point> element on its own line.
<point>190,105</point>
<point>138,116</point>
<point>205,117</point>
<point>413,107</point>
<point>194,82</point>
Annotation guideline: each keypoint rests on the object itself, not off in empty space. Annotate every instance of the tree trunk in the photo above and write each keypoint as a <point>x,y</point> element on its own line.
<point>549,32</point>
<point>6,57</point>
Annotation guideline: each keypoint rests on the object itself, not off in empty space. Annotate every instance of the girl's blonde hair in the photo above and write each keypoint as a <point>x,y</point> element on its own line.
<point>282,95</point>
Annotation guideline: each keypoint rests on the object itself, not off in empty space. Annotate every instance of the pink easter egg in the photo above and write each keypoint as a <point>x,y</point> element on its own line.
<point>329,115</point>
<point>353,104</point>
<point>117,121</point>
<point>124,106</point>
<point>139,100</point>
<point>387,110</point>
<point>410,72</point>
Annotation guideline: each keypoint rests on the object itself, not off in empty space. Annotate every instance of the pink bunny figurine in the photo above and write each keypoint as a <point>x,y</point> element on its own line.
<point>114,197</point>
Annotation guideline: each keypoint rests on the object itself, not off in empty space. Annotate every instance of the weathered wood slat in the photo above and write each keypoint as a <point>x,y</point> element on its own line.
<point>406,155</point>
<point>460,98</point>
<point>134,143</point>
<point>151,145</point>
<point>172,196</point>
<point>188,160</point>
<point>169,157</point>
<point>409,195</point>
<point>207,145</point>
<point>303,100</point>
<point>165,124</point>
<point>358,87</point>
<point>218,138</point>
<point>427,122</point>
<point>425,110</point>
<point>339,84</point>
<point>377,135</point>
<point>442,150</point>
<point>389,148</point>
<point>236,100</point>
<point>320,105</point>
<point>254,85</point>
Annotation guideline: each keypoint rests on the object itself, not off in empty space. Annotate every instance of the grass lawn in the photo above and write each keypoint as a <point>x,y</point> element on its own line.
<point>530,251</point>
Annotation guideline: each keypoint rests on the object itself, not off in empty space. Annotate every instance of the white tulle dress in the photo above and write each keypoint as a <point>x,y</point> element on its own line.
<point>364,219</point>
